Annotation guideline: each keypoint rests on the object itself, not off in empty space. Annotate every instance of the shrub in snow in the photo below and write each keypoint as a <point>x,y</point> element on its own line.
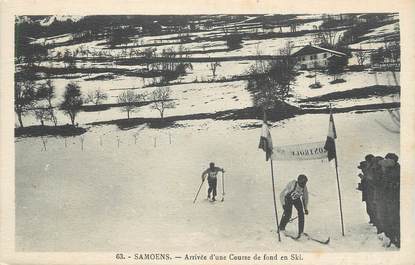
<point>234,41</point>
<point>337,81</point>
<point>72,101</point>
<point>315,85</point>
<point>269,83</point>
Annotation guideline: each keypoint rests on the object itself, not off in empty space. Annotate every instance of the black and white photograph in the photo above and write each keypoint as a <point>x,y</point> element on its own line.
<point>153,134</point>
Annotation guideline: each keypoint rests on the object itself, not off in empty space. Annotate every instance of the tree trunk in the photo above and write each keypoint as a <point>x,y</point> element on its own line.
<point>128,114</point>
<point>264,111</point>
<point>51,112</point>
<point>53,117</point>
<point>72,118</point>
<point>19,117</point>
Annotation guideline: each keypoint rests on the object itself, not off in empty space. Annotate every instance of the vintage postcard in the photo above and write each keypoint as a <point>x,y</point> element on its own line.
<point>202,132</point>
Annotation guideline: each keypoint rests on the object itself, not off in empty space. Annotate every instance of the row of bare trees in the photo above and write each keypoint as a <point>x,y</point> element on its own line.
<point>160,100</point>
<point>388,55</point>
<point>37,99</point>
<point>164,67</point>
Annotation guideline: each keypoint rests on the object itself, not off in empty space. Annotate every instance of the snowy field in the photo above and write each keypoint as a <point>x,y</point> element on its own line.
<point>211,97</point>
<point>376,37</point>
<point>249,47</point>
<point>353,80</point>
<point>189,98</point>
<point>138,196</point>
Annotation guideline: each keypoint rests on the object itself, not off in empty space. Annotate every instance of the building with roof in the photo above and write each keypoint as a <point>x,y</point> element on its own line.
<point>310,57</point>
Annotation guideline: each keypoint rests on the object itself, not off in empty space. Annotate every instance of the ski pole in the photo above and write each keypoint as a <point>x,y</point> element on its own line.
<point>223,186</point>
<point>198,190</point>
<point>292,219</point>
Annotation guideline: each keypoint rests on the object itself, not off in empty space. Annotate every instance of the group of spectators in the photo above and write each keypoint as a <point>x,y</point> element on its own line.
<point>380,187</point>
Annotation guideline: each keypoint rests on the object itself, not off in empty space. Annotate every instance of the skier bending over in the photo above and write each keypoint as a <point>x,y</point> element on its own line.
<point>212,173</point>
<point>291,195</point>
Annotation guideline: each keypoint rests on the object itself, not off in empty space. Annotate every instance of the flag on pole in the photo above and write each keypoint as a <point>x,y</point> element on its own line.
<point>330,145</point>
<point>265,142</point>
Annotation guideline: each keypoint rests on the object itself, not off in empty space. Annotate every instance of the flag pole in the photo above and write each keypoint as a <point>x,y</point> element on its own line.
<point>338,183</point>
<point>340,197</point>
<point>275,202</point>
<point>267,147</point>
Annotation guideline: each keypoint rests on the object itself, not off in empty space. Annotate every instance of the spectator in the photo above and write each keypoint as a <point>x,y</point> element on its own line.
<point>380,186</point>
<point>366,187</point>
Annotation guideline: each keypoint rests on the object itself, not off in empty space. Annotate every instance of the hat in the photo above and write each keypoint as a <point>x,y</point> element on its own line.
<point>302,177</point>
<point>392,156</point>
<point>369,157</point>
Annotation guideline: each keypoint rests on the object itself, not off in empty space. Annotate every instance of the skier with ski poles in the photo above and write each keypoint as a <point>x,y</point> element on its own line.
<point>211,174</point>
<point>295,193</point>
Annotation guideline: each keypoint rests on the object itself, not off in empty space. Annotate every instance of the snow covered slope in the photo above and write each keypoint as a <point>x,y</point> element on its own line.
<point>49,20</point>
<point>139,196</point>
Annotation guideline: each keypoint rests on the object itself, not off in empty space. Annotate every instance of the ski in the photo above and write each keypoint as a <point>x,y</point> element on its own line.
<point>325,242</point>
<point>296,238</point>
<point>292,219</point>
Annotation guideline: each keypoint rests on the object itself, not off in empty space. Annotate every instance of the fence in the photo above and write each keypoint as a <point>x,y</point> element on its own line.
<point>153,139</point>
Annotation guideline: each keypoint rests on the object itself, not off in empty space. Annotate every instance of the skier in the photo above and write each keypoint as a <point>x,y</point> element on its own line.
<point>291,195</point>
<point>212,173</point>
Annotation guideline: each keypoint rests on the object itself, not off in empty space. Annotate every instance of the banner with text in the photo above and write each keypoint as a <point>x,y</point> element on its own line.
<point>308,151</point>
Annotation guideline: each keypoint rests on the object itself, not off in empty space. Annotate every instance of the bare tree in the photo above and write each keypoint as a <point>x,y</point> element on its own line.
<point>161,100</point>
<point>24,98</point>
<point>327,37</point>
<point>261,65</point>
<point>96,96</point>
<point>213,67</point>
<point>41,113</point>
<point>361,57</point>
<point>43,108</point>
<point>316,84</point>
<point>391,54</point>
<point>287,49</point>
<point>47,92</point>
<point>293,27</point>
<point>129,100</point>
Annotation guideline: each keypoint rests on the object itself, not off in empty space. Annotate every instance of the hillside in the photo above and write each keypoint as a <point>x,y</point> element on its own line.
<point>125,174</point>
